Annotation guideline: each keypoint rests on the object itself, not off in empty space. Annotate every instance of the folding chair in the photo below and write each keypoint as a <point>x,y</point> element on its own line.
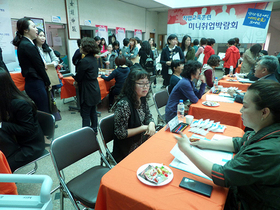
<point>160,99</point>
<point>47,124</point>
<point>106,129</point>
<point>42,201</point>
<point>67,150</point>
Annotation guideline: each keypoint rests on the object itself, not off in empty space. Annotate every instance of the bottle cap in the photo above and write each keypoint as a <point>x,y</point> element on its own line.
<point>181,101</point>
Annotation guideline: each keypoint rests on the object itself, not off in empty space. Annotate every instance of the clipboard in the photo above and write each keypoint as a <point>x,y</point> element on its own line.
<point>52,74</point>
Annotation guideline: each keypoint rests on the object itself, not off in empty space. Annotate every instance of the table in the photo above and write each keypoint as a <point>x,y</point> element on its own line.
<point>18,79</point>
<point>6,187</point>
<point>121,189</point>
<point>239,85</point>
<point>68,90</point>
<point>226,113</point>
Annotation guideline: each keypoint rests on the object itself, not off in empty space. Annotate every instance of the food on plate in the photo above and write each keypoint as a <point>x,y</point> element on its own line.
<point>155,174</point>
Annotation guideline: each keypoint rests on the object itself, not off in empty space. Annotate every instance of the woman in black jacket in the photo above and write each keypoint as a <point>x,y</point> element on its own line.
<point>21,137</point>
<point>169,53</point>
<point>31,63</point>
<point>86,77</point>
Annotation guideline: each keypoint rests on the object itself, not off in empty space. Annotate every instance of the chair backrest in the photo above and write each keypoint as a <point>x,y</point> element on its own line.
<point>47,123</point>
<point>106,126</point>
<point>161,98</point>
<point>73,146</point>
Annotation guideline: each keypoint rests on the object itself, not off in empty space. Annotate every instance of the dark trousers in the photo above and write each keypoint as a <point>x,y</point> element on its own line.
<point>166,79</point>
<point>89,116</point>
<point>36,90</point>
<point>227,71</point>
<point>155,73</point>
<point>112,95</point>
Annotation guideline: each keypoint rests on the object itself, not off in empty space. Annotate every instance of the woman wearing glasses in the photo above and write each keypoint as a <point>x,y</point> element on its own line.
<point>133,121</point>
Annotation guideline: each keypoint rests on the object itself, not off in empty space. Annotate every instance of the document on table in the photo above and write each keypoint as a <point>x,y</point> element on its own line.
<point>219,98</point>
<point>182,162</point>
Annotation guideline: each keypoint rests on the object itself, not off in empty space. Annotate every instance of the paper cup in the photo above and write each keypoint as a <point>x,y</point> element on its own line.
<point>220,87</point>
<point>189,119</point>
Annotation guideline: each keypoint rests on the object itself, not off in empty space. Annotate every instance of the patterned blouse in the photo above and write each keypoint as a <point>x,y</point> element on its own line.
<point>121,118</point>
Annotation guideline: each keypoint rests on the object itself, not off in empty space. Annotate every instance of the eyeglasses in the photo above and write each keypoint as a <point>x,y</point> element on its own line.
<point>144,84</point>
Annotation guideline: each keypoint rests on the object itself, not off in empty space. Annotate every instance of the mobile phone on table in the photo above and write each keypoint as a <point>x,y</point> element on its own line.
<point>196,186</point>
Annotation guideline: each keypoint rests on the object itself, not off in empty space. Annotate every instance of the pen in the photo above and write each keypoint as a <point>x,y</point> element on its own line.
<point>178,129</point>
<point>184,128</point>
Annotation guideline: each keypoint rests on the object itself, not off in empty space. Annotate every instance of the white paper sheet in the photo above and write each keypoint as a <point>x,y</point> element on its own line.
<point>182,162</point>
<point>219,98</point>
<point>176,57</point>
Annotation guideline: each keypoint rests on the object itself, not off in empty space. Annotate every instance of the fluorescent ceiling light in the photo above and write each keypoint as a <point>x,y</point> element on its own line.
<point>201,3</point>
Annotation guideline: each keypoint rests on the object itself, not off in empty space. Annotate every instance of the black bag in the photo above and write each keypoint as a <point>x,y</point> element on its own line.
<point>53,108</point>
<point>149,64</point>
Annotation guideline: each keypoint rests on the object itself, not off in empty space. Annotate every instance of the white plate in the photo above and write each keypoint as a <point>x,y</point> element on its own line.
<point>210,103</point>
<point>143,167</point>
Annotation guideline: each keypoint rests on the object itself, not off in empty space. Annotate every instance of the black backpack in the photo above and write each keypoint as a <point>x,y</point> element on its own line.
<point>149,64</point>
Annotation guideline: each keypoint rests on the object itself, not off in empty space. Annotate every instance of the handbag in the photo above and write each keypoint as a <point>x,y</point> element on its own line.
<point>53,108</point>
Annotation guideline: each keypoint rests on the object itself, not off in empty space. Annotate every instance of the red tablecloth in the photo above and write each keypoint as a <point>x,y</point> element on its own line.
<point>237,70</point>
<point>239,85</point>
<point>18,80</point>
<point>68,90</point>
<point>9,188</point>
<point>121,189</point>
<point>225,113</point>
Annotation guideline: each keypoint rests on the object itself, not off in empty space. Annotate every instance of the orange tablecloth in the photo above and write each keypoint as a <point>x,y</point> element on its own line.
<point>68,90</point>
<point>18,80</point>
<point>121,189</point>
<point>239,85</point>
<point>237,70</point>
<point>226,113</point>
<point>6,188</point>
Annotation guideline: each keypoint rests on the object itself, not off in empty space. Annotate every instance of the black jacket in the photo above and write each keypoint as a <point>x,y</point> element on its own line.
<point>31,63</point>
<point>87,73</point>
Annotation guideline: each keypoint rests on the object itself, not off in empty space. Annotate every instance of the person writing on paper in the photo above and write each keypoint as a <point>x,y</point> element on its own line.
<point>185,89</point>
<point>133,121</point>
<point>169,53</point>
<point>252,176</point>
<point>21,137</point>
<point>264,70</point>
<point>32,65</point>
<point>86,77</point>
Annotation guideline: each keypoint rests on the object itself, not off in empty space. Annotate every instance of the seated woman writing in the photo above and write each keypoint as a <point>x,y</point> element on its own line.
<point>120,74</point>
<point>253,174</point>
<point>133,121</point>
<point>185,89</point>
<point>21,137</point>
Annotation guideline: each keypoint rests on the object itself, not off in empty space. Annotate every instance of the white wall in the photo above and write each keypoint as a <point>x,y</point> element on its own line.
<point>162,22</point>
<point>274,44</point>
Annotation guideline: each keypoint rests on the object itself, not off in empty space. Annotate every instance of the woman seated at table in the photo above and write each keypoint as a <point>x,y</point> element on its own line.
<point>209,69</point>
<point>133,121</point>
<point>253,174</point>
<point>86,77</point>
<point>176,67</point>
<point>120,74</point>
<point>185,89</point>
<point>21,137</point>
<point>250,58</point>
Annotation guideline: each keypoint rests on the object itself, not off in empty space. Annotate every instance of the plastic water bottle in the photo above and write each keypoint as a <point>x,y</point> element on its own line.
<point>231,71</point>
<point>216,83</point>
<point>181,110</point>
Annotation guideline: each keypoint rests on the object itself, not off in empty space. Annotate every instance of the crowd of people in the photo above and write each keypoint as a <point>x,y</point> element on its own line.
<point>187,69</point>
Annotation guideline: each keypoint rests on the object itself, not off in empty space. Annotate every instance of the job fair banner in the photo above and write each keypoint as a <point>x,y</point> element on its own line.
<point>102,32</point>
<point>138,33</point>
<point>120,35</point>
<point>248,22</point>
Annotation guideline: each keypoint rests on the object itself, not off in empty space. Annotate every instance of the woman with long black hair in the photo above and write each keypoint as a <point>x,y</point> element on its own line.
<point>31,63</point>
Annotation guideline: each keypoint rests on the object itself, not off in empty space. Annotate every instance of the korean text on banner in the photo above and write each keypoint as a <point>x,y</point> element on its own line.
<point>248,22</point>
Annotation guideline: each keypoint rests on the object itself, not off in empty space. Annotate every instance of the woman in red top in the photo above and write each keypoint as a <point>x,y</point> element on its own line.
<point>232,56</point>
